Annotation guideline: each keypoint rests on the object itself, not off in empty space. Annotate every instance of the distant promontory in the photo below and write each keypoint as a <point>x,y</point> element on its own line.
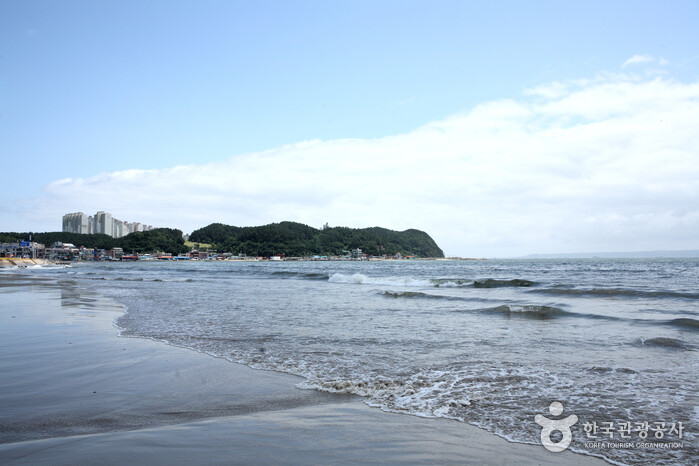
<point>297,239</point>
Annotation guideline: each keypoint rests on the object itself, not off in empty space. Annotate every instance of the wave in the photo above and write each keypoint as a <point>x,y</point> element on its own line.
<point>306,275</point>
<point>516,310</point>
<point>604,370</point>
<point>33,267</point>
<point>530,311</point>
<point>548,312</point>
<point>686,323</point>
<point>535,311</point>
<point>361,279</point>
<point>451,282</point>
<point>420,295</point>
<point>493,283</point>
<point>614,292</point>
<point>665,342</point>
<point>132,279</point>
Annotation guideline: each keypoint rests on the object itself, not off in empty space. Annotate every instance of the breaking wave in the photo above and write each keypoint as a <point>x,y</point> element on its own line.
<point>302,275</point>
<point>665,342</point>
<point>493,283</point>
<point>451,282</point>
<point>529,311</point>
<point>361,279</point>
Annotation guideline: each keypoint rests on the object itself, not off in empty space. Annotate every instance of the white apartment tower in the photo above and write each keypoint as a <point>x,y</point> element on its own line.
<point>102,222</point>
<point>76,223</point>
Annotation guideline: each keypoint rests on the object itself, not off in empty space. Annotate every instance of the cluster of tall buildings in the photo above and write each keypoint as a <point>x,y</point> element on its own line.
<point>101,222</point>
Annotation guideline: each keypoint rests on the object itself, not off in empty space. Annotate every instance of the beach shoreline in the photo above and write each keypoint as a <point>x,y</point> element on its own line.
<point>74,391</point>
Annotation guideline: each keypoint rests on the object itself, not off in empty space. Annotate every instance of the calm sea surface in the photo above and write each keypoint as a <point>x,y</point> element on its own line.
<point>491,343</point>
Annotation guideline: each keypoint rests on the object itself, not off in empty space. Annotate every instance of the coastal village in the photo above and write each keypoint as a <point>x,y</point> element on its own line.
<point>104,223</point>
<point>27,252</point>
<point>13,253</point>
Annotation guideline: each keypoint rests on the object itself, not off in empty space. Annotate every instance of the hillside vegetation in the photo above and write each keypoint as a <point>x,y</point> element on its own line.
<point>159,239</point>
<point>296,239</point>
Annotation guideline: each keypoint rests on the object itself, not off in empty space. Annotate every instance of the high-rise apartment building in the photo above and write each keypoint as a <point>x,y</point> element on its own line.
<point>102,222</point>
<point>76,223</point>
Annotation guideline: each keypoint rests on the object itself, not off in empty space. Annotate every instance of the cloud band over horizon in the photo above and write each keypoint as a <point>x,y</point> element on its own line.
<point>610,163</point>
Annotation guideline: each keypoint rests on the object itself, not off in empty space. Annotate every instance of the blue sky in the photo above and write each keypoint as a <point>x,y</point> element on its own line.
<point>94,93</point>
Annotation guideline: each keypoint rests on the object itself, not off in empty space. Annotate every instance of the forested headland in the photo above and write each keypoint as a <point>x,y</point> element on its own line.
<point>297,239</point>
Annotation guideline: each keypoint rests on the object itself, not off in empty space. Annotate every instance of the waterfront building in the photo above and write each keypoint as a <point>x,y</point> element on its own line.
<point>26,249</point>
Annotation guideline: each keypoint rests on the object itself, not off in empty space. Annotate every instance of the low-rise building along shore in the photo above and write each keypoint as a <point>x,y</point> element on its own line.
<point>67,252</point>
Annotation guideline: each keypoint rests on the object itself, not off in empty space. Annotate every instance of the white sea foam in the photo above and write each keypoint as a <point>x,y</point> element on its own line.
<point>36,267</point>
<point>451,283</point>
<point>361,279</point>
<point>49,266</point>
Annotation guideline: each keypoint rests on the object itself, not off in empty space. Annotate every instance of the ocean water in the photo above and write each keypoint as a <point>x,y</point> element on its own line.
<point>490,343</point>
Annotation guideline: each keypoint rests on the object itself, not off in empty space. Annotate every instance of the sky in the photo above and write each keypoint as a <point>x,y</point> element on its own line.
<point>500,128</point>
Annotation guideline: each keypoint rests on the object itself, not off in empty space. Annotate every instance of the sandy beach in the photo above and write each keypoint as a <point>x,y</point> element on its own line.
<point>74,392</point>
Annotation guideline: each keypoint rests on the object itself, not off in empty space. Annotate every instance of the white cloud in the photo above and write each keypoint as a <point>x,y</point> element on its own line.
<point>638,59</point>
<point>550,91</point>
<point>605,164</point>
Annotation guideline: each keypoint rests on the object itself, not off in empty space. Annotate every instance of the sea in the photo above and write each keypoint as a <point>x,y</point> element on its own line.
<point>491,343</point>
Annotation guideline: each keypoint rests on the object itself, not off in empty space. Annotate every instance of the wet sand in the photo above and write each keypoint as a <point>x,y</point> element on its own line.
<point>73,392</point>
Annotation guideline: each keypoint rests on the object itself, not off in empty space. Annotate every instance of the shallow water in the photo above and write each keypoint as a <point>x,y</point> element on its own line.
<point>491,343</point>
